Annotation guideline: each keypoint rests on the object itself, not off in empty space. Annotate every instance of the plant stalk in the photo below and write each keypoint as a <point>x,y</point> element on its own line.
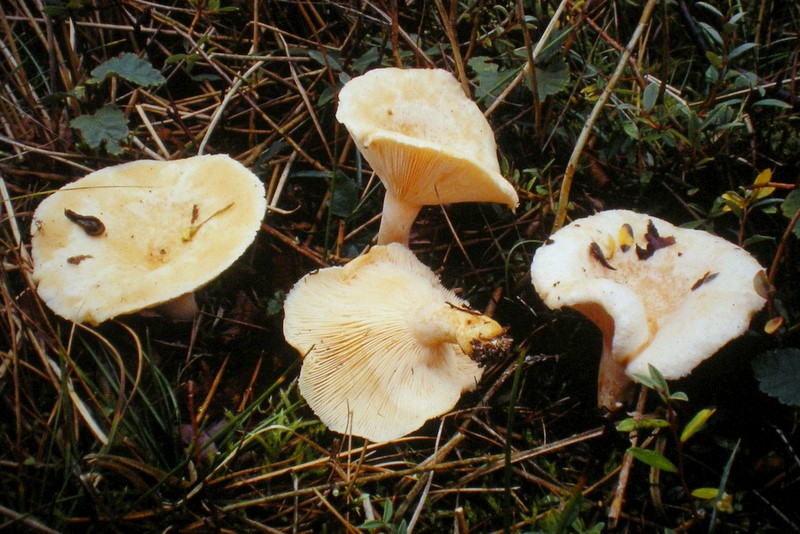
<point>566,184</point>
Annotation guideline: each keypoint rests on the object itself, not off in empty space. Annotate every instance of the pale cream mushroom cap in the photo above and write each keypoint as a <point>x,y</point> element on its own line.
<point>170,227</point>
<point>382,343</point>
<point>426,140</point>
<point>672,309</point>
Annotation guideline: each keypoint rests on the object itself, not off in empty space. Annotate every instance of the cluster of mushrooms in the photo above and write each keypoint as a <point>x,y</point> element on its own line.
<point>148,234</point>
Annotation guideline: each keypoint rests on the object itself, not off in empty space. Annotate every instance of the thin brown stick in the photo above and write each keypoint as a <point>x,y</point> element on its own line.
<point>615,510</point>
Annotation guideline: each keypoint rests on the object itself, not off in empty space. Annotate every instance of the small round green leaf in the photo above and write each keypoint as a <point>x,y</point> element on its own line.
<point>107,126</point>
<point>130,67</point>
<point>778,374</point>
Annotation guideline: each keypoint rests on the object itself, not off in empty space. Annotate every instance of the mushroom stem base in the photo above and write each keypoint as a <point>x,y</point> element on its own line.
<point>183,308</point>
<point>614,386</point>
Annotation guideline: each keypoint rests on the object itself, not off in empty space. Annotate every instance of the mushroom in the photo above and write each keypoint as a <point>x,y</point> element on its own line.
<point>385,347</point>
<point>142,234</point>
<point>661,295</point>
<point>426,141</point>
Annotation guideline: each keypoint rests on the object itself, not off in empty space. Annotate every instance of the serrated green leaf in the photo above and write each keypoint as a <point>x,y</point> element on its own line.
<point>778,374</point>
<point>486,76</point>
<point>697,423</point>
<point>653,459</point>
<point>130,67</point>
<point>107,126</point>
<point>550,80</point>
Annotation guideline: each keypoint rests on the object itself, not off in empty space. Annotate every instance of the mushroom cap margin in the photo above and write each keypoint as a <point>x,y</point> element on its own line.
<point>424,138</point>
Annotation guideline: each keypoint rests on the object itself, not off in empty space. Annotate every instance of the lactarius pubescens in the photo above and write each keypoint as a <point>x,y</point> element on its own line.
<point>661,295</point>
<point>143,234</point>
<point>385,347</point>
<point>427,142</point>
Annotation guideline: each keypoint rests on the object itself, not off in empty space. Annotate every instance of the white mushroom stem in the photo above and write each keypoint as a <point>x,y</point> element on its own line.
<point>183,308</point>
<point>455,325</point>
<point>397,219</point>
<point>614,385</point>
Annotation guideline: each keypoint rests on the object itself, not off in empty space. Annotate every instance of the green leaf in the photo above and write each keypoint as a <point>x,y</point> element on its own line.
<point>791,204</point>
<point>107,126</point>
<point>631,130</point>
<point>679,396</point>
<point>362,63</point>
<point>657,383</point>
<point>705,493</point>
<point>344,196</point>
<point>550,80</point>
<point>741,49</point>
<point>710,8</point>
<point>778,374</point>
<point>711,32</point>
<point>653,459</point>
<point>757,238</point>
<point>716,63</point>
<point>649,96</point>
<point>773,102</point>
<point>723,482</point>
<point>789,208</point>
<point>486,76</point>
<point>317,56</point>
<point>763,178</point>
<point>629,424</point>
<point>697,423</point>
<point>130,67</point>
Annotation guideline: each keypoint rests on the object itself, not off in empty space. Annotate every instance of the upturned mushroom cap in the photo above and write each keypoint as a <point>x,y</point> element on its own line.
<point>385,346</point>
<point>161,230</point>
<point>661,295</point>
<point>426,140</point>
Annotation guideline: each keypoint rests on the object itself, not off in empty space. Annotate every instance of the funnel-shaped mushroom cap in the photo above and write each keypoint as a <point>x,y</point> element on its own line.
<point>661,295</point>
<point>384,344</point>
<point>426,140</point>
<point>140,234</point>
